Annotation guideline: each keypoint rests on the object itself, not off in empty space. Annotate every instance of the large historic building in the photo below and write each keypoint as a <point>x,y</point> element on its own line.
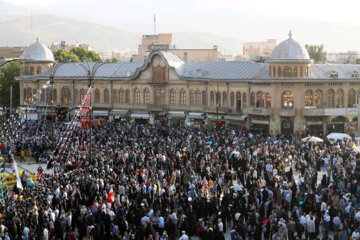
<point>286,94</point>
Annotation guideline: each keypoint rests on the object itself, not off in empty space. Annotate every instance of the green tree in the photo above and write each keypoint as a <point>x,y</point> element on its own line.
<point>85,55</point>
<point>113,60</point>
<point>316,53</point>
<point>77,54</point>
<point>62,56</point>
<point>7,79</point>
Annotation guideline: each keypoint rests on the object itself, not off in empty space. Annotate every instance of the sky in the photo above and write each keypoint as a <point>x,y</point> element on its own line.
<point>311,21</point>
<point>328,10</point>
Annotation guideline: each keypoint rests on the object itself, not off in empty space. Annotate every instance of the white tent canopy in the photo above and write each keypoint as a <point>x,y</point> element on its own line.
<point>338,136</point>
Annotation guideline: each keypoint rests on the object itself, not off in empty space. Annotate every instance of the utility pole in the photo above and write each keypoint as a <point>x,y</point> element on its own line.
<point>11,92</point>
<point>358,120</point>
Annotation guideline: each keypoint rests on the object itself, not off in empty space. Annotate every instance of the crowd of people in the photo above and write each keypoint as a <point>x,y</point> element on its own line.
<point>155,182</point>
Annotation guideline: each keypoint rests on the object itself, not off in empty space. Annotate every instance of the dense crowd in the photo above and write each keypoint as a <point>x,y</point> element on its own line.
<point>125,181</point>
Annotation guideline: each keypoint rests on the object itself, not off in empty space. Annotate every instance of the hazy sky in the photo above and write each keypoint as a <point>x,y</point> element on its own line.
<point>328,10</point>
<point>330,22</point>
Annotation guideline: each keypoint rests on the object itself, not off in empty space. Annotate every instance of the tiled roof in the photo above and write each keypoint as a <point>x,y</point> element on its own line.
<point>233,70</point>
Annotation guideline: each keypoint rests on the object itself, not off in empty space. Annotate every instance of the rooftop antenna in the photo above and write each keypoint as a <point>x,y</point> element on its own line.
<point>154,24</point>
<point>31,28</point>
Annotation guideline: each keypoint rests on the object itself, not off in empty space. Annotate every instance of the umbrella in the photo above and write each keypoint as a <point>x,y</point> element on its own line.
<point>338,136</point>
<point>312,139</point>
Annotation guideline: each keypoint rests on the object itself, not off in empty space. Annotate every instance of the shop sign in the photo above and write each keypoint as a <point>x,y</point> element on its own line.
<point>352,111</point>
<point>335,111</point>
<point>256,110</point>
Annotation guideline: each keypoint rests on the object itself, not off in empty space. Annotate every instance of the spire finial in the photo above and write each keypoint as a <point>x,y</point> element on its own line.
<point>290,34</point>
<point>37,39</point>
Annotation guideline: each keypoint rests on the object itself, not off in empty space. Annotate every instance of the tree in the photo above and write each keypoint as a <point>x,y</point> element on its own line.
<point>77,54</point>
<point>62,56</point>
<point>7,79</point>
<point>113,60</point>
<point>85,55</point>
<point>316,53</point>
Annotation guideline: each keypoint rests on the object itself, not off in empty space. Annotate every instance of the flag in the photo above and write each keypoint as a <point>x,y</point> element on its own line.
<point>18,183</point>
<point>111,197</point>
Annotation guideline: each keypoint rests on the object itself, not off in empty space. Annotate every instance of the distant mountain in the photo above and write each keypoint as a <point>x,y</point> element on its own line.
<point>51,28</point>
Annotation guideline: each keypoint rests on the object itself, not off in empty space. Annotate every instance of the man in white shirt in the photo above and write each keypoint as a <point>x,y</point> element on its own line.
<point>184,236</point>
<point>355,235</point>
<point>220,226</point>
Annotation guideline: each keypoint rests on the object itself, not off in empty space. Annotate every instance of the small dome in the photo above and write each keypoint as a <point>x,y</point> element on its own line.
<point>38,52</point>
<point>289,50</point>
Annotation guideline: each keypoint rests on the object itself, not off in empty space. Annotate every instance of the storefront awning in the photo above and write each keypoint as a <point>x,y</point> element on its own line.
<point>119,112</point>
<point>100,113</point>
<point>235,118</point>
<point>196,116</point>
<point>140,115</point>
<point>173,114</point>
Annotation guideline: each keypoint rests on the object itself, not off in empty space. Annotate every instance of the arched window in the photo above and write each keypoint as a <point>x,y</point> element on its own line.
<point>54,93</point>
<point>82,95</point>
<point>318,98</point>
<point>351,98</point>
<point>76,96</point>
<point>244,101</point>
<point>274,71</point>
<point>32,70</point>
<point>24,96</point>
<point>192,97</point>
<point>270,71</point>
<point>97,95</point>
<point>172,96</point>
<point>357,98</point>
<point>26,71</point>
<point>287,100</point>
<point>65,96</point>
<point>340,98</point>
<point>279,71</point>
<point>224,99</point>
<point>232,99</point>
<point>268,100</point>
<point>238,102</point>
<point>127,96</point>
<point>115,96</point>
<point>309,98</point>
<point>331,98</point>
<point>218,99</point>
<point>253,99</point>
<point>301,72</point>
<point>106,96</point>
<point>146,96</point>
<point>212,98</point>
<point>159,96</point>
<point>287,71</point>
<point>260,100</point>
<point>122,96</point>
<point>42,95</point>
<point>295,73</point>
<point>198,97</point>
<point>28,95</point>
<point>136,95</point>
<point>182,97</point>
<point>38,70</point>
<point>203,98</point>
